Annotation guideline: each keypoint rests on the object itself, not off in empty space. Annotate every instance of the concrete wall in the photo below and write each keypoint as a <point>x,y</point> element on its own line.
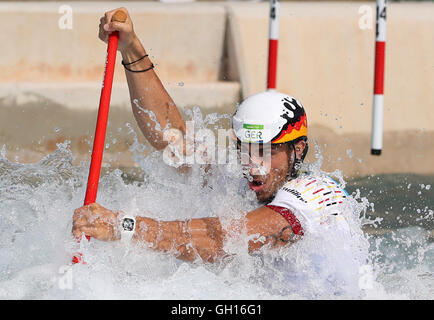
<point>185,42</point>
<point>327,61</point>
<point>207,54</point>
<point>174,35</point>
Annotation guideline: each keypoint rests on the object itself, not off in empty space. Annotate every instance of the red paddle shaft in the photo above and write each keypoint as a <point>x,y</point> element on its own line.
<point>101,124</point>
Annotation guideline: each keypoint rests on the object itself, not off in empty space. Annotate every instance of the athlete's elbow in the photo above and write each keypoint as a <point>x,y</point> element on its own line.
<point>207,255</point>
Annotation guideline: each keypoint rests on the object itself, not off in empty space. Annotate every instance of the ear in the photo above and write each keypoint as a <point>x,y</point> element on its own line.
<point>299,148</point>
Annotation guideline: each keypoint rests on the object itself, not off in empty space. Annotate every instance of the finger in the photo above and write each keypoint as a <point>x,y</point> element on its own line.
<point>77,233</point>
<point>82,211</point>
<point>80,221</point>
<point>116,26</point>
<point>108,16</point>
<point>89,231</point>
<point>77,216</point>
<point>94,206</point>
<point>102,35</point>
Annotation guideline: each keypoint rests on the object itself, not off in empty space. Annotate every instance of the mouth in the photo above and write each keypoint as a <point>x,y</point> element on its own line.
<point>256,185</point>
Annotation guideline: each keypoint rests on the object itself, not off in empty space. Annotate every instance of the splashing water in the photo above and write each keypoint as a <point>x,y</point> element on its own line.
<point>37,201</point>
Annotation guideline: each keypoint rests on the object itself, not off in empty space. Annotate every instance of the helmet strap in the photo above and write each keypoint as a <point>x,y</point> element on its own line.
<point>296,163</point>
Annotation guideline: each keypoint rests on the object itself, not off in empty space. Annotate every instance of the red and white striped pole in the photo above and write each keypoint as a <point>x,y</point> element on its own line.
<point>378,105</point>
<point>273,44</point>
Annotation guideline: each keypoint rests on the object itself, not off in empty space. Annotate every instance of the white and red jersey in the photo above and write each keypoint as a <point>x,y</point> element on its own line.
<point>327,258</point>
<point>312,205</point>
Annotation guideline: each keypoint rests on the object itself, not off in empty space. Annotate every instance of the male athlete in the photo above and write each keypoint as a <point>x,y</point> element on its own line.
<point>294,205</point>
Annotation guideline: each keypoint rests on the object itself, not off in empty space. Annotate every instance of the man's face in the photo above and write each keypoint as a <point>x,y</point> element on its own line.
<point>266,167</point>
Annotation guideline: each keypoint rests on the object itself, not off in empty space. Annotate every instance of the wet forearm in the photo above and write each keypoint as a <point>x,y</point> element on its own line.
<point>187,239</point>
<point>149,97</point>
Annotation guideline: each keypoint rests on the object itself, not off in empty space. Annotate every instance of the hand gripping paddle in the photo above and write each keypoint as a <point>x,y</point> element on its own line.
<point>101,124</point>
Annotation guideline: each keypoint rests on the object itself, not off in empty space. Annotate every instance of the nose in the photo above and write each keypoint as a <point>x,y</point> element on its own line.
<point>256,165</point>
<point>253,160</point>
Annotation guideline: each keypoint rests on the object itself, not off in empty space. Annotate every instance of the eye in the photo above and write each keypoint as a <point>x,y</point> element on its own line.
<point>265,151</point>
<point>238,145</point>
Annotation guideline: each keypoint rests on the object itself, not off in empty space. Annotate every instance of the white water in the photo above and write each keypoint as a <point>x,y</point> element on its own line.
<point>36,206</point>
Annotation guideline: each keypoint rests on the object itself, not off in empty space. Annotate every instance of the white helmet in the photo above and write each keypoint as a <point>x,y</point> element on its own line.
<point>270,117</point>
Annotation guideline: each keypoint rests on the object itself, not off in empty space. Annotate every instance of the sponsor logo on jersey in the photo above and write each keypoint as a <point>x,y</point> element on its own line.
<point>295,193</point>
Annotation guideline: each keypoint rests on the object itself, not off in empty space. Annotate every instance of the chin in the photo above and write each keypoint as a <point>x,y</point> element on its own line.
<point>268,195</point>
<point>264,197</point>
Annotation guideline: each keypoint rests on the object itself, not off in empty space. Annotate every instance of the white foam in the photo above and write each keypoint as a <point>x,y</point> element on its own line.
<point>38,200</point>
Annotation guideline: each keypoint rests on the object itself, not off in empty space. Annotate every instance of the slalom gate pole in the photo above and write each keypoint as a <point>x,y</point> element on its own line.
<point>101,124</point>
<point>378,104</point>
<point>273,44</point>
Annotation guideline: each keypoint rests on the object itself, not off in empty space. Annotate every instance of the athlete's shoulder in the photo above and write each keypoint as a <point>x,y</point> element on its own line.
<point>310,181</point>
<point>315,191</point>
<point>315,200</point>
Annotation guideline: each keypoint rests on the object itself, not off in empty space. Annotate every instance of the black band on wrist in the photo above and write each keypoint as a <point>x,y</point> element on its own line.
<point>127,64</point>
<point>144,70</point>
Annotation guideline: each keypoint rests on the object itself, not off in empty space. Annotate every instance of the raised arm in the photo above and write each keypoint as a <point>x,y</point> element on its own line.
<point>189,239</point>
<point>148,96</point>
